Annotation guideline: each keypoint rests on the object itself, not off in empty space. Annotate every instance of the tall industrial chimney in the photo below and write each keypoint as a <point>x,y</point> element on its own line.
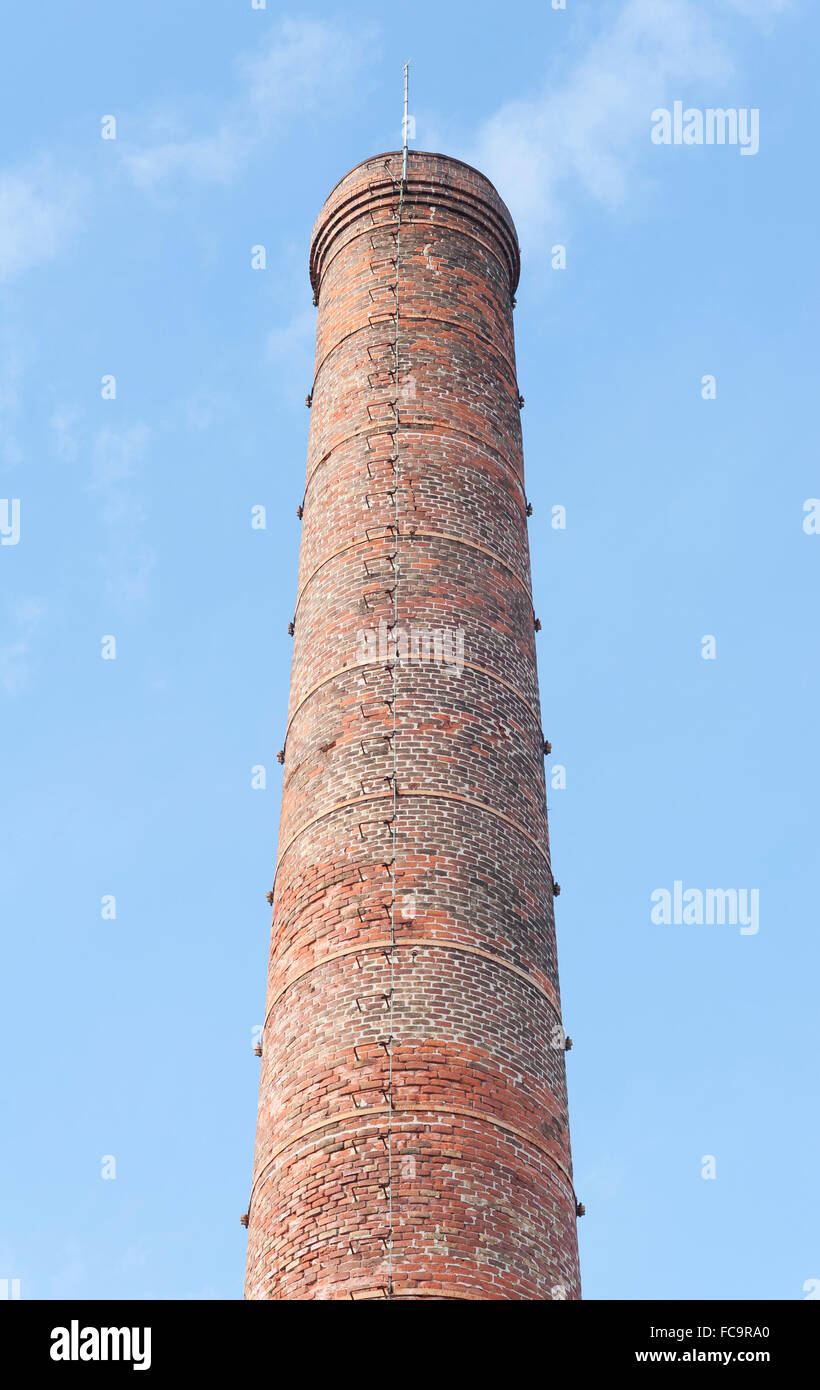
<point>412,1135</point>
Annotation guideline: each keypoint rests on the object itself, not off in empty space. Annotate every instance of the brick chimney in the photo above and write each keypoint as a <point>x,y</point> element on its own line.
<point>412,1138</point>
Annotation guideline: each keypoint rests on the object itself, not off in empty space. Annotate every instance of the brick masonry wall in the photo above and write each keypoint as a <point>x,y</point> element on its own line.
<point>412,1133</point>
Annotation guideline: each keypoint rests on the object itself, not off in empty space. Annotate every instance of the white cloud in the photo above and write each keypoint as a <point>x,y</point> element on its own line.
<point>761,9</point>
<point>213,159</point>
<point>292,348</point>
<point>25,615</point>
<point>588,131</point>
<point>127,561</point>
<point>64,424</point>
<point>295,339</point>
<point>115,457</point>
<point>203,409</point>
<point>305,65</point>
<point>39,210</point>
<point>15,357</point>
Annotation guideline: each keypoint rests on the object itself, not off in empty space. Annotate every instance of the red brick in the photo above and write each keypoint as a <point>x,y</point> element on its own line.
<point>467,1141</point>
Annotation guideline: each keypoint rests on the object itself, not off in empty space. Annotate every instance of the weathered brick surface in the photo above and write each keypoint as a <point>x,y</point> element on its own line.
<point>412,1136</point>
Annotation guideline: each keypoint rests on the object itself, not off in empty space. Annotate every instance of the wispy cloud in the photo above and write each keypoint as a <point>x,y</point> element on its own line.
<point>761,9</point>
<point>213,159</point>
<point>64,424</point>
<point>14,359</point>
<point>290,346</point>
<point>40,208</point>
<point>116,456</point>
<point>127,560</point>
<point>586,134</point>
<point>305,65</point>
<point>291,342</point>
<point>203,409</point>
<point>24,616</point>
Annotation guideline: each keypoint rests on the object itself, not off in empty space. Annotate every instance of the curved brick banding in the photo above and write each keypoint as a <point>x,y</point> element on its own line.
<point>412,1137</point>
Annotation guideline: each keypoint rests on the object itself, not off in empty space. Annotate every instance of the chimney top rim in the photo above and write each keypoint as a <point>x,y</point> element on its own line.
<point>338,199</point>
<point>419,154</point>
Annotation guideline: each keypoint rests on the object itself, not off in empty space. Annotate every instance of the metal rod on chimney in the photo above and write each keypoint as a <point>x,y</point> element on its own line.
<point>404,130</point>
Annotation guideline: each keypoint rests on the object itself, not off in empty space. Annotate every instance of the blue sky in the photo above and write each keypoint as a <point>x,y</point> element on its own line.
<point>131,777</point>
